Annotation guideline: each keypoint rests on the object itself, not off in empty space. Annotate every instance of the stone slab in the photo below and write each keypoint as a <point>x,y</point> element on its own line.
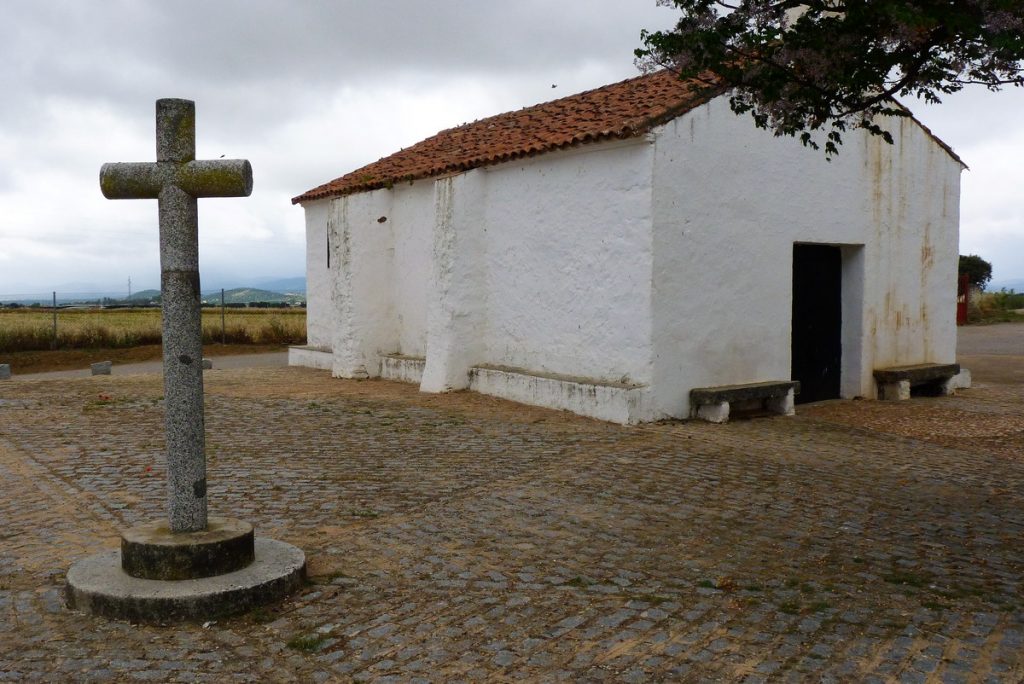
<point>917,373</point>
<point>772,389</point>
<point>152,551</point>
<point>101,367</point>
<point>97,585</point>
<point>207,364</point>
<point>5,371</point>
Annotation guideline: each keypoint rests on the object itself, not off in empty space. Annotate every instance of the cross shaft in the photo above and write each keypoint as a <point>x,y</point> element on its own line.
<point>176,180</point>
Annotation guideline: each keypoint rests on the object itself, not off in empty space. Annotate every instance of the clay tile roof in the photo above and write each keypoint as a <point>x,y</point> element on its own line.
<point>620,110</point>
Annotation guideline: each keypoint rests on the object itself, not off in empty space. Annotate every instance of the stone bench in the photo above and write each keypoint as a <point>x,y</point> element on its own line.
<point>936,378</point>
<point>712,403</point>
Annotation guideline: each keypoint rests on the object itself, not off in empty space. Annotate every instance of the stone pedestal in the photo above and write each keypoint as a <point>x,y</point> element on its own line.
<point>961,380</point>
<point>717,412</point>
<point>894,391</point>
<point>784,405</point>
<point>101,367</point>
<point>164,576</point>
<point>152,551</point>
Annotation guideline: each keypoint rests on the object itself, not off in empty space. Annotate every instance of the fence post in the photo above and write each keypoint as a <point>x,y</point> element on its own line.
<point>223,327</point>
<point>53,342</point>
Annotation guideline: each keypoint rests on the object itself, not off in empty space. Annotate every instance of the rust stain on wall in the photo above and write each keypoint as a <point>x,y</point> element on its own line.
<point>927,256</point>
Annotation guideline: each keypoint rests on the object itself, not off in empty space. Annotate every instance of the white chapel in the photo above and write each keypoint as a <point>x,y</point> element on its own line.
<point>610,252</point>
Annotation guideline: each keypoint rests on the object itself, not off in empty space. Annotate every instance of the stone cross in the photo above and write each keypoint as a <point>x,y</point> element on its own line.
<point>177,179</point>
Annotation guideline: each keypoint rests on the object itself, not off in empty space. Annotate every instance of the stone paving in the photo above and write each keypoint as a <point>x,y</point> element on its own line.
<point>463,538</point>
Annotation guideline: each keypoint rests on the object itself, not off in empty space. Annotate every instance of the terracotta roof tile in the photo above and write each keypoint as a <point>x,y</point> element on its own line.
<point>620,110</point>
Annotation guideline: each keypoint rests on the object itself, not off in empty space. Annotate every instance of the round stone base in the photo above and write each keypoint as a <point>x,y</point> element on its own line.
<point>98,585</point>
<point>152,551</point>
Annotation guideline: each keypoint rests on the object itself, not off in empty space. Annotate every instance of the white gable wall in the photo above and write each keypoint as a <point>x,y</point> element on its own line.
<point>729,203</point>
<point>911,312</point>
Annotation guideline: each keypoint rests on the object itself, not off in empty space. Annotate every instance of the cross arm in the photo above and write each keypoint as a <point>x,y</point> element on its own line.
<point>131,180</point>
<point>216,178</point>
<point>198,178</point>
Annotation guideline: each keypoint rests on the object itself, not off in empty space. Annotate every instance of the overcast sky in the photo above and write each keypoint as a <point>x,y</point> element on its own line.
<point>308,90</point>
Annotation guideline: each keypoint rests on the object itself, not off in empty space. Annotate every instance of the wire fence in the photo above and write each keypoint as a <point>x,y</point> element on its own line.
<point>87,321</point>
<point>107,299</point>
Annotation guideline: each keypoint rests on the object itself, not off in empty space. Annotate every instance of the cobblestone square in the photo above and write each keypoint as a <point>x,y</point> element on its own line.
<point>463,538</point>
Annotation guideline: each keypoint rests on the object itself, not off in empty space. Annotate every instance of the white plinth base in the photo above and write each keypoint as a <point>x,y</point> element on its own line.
<point>310,357</point>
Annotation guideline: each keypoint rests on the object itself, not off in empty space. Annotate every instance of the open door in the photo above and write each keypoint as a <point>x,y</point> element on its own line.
<point>817,349</point>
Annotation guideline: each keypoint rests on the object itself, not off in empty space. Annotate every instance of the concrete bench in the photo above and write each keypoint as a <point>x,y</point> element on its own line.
<point>712,403</point>
<point>936,378</point>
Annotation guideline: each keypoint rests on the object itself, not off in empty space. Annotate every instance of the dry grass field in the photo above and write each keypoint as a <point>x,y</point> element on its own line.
<point>27,330</point>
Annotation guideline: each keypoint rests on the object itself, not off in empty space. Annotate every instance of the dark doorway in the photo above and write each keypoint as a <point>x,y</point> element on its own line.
<point>817,321</point>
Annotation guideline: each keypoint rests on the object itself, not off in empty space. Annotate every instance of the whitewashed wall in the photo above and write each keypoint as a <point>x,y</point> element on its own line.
<point>457,313</point>
<point>625,274</point>
<point>542,265</point>
<point>320,315</point>
<point>412,220</point>
<point>729,203</point>
<point>569,263</point>
<point>362,262</point>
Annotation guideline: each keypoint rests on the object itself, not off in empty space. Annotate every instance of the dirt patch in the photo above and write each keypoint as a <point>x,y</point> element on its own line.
<point>994,338</point>
<point>74,359</point>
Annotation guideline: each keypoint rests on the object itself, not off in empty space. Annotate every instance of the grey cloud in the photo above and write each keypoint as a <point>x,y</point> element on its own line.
<point>111,45</point>
<point>259,70</point>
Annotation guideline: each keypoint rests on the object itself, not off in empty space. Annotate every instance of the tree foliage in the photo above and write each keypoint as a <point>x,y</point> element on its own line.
<point>800,66</point>
<point>978,271</point>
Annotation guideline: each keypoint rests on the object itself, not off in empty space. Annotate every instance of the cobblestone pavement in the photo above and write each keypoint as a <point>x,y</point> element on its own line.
<point>460,537</point>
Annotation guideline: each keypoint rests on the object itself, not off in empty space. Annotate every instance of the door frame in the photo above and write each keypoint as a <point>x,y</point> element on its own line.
<point>852,317</point>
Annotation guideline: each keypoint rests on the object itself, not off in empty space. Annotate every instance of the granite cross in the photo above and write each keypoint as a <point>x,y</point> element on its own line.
<point>177,179</point>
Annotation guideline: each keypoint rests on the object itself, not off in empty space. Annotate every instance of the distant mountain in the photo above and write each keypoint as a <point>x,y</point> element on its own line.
<point>248,295</point>
<point>145,296</point>
<point>295,285</point>
<point>258,289</point>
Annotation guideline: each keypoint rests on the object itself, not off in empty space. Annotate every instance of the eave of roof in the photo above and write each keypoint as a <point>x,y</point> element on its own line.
<point>621,110</point>
<point>936,139</point>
